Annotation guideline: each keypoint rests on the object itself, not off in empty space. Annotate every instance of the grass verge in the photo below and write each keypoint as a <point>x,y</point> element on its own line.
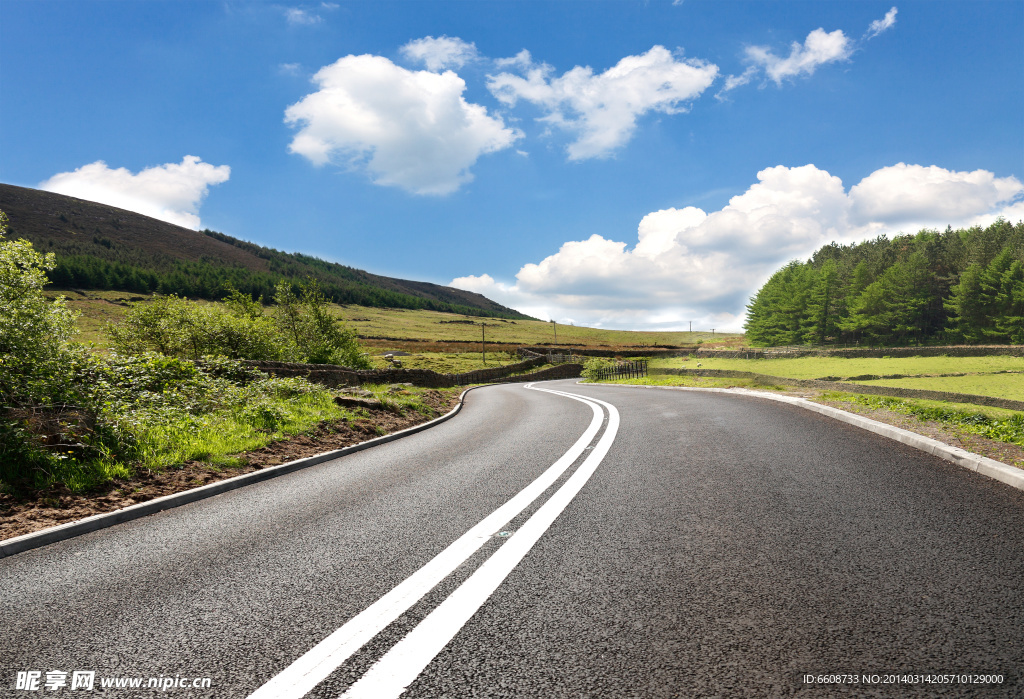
<point>313,428</point>
<point>992,423</point>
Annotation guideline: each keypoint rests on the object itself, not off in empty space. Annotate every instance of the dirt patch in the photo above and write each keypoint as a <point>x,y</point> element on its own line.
<point>59,505</point>
<point>1011,454</point>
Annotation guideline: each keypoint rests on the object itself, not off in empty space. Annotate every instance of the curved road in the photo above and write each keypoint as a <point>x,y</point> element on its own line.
<point>616,542</point>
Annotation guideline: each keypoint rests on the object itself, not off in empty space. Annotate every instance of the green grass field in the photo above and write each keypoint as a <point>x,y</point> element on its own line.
<point>998,385</point>
<point>96,309</point>
<point>821,367</point>
<point>439,327</point>
<point>925,373</point>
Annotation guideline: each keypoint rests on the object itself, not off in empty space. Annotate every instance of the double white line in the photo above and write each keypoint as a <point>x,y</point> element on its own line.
<point>397,668</point>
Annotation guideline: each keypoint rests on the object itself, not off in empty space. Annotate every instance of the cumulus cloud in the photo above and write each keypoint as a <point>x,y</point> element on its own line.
<point>438,54</point>
<point>686,264</point>
<point>601,110</point>
<point>409,129</point>
<point>170,192</point>
<point>928,195</point>
<point>880,25</point>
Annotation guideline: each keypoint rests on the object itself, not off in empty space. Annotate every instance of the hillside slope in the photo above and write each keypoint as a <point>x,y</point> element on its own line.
<point>103,247</point>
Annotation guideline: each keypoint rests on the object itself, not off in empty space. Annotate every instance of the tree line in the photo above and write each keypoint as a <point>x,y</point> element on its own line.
<point>101,264</point>
<point>935,287</point>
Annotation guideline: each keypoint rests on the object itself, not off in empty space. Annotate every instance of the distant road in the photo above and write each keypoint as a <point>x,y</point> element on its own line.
<point>616,542</point>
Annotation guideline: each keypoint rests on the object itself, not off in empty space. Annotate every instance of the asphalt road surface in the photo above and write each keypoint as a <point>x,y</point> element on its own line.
<point>615,542</point>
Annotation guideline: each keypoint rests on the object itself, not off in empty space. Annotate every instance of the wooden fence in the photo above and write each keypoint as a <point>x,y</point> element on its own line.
<point>624,370</point>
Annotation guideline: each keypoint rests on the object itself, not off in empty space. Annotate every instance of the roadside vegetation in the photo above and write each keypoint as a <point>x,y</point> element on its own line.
<point>449,362</point>
<point>935,287</point>
<point>700,382</point>
<point>172,390</point>
<point>301,328</point>
<point>991,423</point>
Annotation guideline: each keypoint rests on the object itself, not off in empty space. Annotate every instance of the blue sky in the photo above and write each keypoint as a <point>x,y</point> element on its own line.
<point>622,164</point>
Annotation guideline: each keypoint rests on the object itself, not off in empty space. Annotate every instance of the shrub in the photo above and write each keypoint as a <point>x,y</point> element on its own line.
<point>35,331</point>
<point>301,329</point>
<point>318,336</point>
<point>181,328</point>
<point>42,420</point>
<point>594,365</point>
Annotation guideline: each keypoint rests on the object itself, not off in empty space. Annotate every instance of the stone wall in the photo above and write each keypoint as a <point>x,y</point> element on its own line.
<point>562,371</point>
<point>334,376</point>
<point>628,352</point>
<point>890,391</point>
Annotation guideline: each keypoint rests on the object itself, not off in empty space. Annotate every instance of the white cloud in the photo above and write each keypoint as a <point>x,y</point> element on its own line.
<point>820,47</point>
<point>298,17</point>
<point>289,68</point>
<point>686,264</point>
<point>522,60</point>
<point>409,129</point>
<point>602,110</point>
<point>880,25</point>
<point>171,192</point>
<point>734,81</point>
<point>929,195</point>
<point>438,54</point>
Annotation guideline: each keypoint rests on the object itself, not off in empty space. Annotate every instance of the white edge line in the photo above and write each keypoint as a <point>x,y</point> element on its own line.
<point>1004,473</point>
<point>319,662</point>
<point>404,662</point>
<point>25,542</point>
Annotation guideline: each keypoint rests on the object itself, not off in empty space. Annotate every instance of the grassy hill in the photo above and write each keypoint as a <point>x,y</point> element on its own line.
<point>100,247</point>
<point>424,331</point>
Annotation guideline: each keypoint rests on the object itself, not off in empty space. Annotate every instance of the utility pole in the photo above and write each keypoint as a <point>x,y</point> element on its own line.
<point>555,326</point>
<point>483,343</point>
<point>691,327</point>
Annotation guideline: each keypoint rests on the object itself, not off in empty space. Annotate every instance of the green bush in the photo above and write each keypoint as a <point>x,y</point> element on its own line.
<point>35,331</point>
<point>594,365</point>
<point>317,336</point>
<point>71,417</point>
<point>301,329</point>
<point>178,327</point>
<point>42,420</point>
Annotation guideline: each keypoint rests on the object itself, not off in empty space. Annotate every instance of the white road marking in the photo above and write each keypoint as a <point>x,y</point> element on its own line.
<point>397,669</point>
<point>314,666</point>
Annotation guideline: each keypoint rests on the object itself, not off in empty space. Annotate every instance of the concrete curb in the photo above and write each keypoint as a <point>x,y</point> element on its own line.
<point>1004,473</point>
<point>9,547</point>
